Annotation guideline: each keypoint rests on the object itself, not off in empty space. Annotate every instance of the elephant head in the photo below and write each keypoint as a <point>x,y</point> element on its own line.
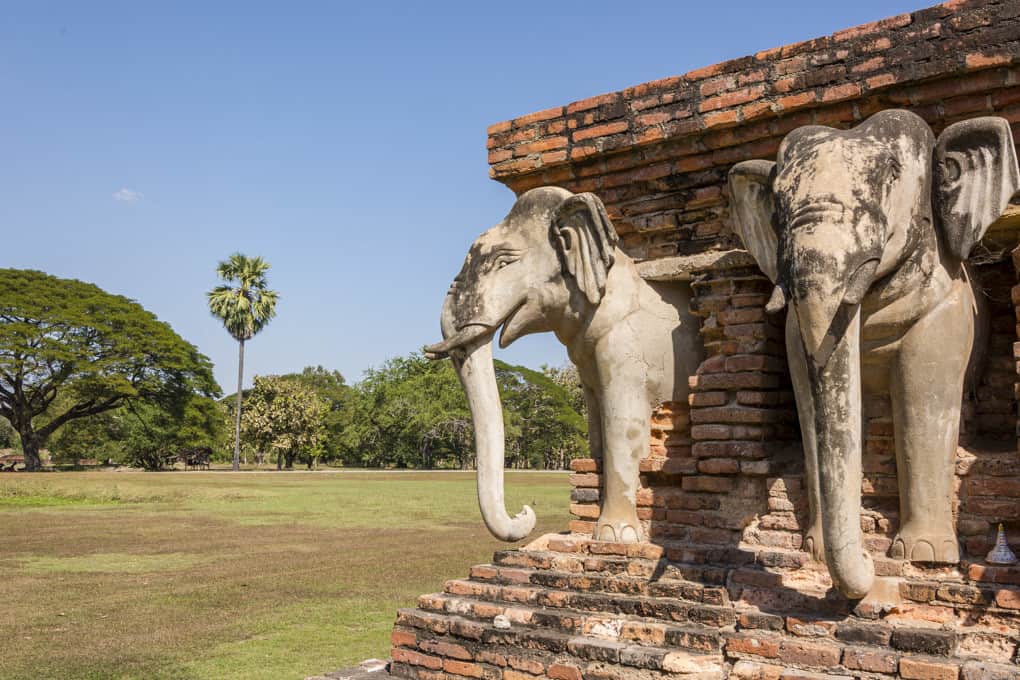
<point>541,269</point>
<point>851,220</point>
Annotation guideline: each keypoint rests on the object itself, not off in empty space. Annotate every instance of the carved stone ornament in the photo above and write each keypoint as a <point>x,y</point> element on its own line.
<point>1001,554</point>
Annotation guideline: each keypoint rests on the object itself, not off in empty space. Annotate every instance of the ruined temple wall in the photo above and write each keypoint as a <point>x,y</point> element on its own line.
<point>723,589</point>
<point>726,469</point>
<point>657,153</point>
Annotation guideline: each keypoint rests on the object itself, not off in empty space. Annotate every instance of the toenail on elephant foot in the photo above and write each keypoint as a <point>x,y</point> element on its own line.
<point>627,531</point>
<point>813,543</point>
<point>925,547</point>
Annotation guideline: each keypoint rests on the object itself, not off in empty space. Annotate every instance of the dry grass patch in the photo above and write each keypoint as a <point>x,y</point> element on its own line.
<point>219,575</point>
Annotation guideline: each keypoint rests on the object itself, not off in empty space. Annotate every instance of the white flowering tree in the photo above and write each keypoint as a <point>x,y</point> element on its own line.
<point>282,416</point>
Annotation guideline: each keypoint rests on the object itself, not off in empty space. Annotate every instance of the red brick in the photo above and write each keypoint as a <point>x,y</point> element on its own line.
<point>840,92</point>
<point>553,157</point>
<point>584,465</point>
<point>499,155</point>
<point>873,27</point>
<point>758,645</point>
<point>593,102</point>
<point>709,484</point>
<point>871,659</point>
<point>584,510</point>
<point>869,65</point>
<point>547,114</point>
<point>471,670</point>
<point>719,466</point>
<point>559,671</point>
<point>732,98</point>
<point>440,648</point>
<point>976,60</point>
<point>916,668</point>
<point>496,128</point>
<point>795,101</point>
<point>720,118</point>
<point>585,480</point>
<point>416,659</point>
<point>403,638</point>
<point>805,653</point>
<point>1008,598</point>
<point>600,130</point>
<point>520,663</point>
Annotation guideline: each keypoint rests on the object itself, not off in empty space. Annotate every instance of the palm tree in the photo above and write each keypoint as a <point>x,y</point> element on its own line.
<point>244,309</point>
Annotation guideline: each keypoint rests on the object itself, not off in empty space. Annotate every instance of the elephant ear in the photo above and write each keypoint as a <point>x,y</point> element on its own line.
<point>752,207</point>
<point>976,175</point>
<point>586,240</point>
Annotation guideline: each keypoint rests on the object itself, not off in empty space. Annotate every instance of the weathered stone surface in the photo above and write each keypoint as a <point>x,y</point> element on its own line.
<point>830,263</point>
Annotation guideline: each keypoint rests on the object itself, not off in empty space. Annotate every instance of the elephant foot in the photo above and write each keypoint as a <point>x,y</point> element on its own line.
<point>921,544</point>
<point>813,542</point>
<point>618,530</point>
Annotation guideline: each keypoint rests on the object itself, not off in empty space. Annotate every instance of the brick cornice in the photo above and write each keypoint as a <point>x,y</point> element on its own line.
<point>902,57</point>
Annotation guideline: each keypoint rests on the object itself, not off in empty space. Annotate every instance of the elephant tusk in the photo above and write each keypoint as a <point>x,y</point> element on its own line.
<point>777,302</point>
<point>468,333</point>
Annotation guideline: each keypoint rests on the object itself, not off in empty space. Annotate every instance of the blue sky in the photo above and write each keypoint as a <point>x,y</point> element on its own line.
<point>342,141</point>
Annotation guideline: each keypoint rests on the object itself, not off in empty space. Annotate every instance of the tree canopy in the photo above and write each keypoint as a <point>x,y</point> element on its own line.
<point>412,412</point>
<point>284,416</point>
<point>97,351</point>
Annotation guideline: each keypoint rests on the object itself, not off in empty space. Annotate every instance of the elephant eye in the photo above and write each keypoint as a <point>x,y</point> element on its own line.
<point>503,260</point>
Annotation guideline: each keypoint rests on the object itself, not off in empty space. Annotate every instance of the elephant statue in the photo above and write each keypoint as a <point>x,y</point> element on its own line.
<point>865,233</point>
<point>553,264</point>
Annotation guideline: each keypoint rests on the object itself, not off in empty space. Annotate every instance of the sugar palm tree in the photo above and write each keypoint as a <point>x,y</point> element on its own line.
<point>244,309</point>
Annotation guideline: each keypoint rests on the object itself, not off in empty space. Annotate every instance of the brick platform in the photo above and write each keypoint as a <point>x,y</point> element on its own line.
<point>587,609</point>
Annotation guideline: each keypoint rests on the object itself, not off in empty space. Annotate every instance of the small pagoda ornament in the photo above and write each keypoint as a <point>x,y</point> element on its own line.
<point>1001,554</point>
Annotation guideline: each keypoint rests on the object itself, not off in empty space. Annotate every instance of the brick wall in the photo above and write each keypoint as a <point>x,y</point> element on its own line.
<point>723,590</point>
<point>658,155</point>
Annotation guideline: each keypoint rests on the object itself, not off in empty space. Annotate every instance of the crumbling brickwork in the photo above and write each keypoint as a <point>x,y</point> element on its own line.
<point>723,589</point>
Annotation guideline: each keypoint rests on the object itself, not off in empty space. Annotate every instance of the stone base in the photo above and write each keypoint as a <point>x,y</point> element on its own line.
<point>569,608</point>
<point>371,669</point>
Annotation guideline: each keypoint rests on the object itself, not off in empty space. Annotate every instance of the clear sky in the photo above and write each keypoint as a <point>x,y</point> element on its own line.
<point>140,143</point>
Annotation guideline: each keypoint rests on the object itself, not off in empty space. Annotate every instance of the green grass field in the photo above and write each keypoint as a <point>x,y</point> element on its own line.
<point>231,575</point>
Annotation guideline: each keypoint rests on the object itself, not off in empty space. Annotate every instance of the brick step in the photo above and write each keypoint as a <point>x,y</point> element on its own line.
<point>631,629</point>
<point>702,565</point>
<point>614,564</point>
<point>702,562</point>
<point>663,608</point>
<point>602,583</point>
<point>453,642</point>
<point>430,645</point>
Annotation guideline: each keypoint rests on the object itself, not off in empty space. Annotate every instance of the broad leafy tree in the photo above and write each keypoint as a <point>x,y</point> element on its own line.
<point>144,434</point>
<point>245,304</point>
<point>338,400</point>
<point>96,351</point>
<point>284,416</point>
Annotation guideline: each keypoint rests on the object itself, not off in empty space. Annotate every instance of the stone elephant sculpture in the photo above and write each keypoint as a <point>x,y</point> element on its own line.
<point>865,233</point>
<point>553,264</point>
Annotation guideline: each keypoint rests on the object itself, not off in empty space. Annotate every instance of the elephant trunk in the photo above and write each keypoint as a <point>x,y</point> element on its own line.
<point>473,363</point>
<point>836,393</point>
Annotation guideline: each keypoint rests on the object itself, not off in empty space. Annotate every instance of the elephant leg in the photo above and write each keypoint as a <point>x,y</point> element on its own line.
<point>926,390</point>
<point>626,429</point>
<point>594,408</point>
<point>813,541</point>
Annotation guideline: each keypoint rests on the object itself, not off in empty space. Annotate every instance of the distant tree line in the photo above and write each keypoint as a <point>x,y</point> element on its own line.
<point>409,413</point>
<point>89,375</point>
